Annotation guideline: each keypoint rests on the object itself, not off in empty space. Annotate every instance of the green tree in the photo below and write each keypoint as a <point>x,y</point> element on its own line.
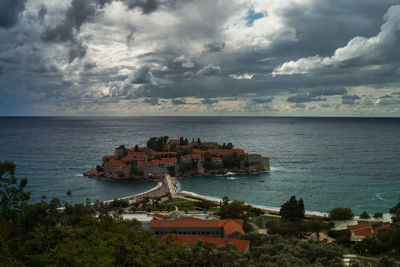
<point>292,210</point>
<point>378,215</point>
<point>12,192</point>
<point>364,215</point>
<point>341,214</point>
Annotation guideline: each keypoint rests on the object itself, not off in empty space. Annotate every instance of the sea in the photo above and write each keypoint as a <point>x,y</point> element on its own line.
<point>328,162</point>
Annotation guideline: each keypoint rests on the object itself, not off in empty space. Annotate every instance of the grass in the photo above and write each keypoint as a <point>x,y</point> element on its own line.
<point>260,221</point>
<point>182,204</point>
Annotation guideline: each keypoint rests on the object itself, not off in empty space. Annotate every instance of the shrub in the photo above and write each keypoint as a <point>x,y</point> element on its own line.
<point>364,215</point>
<point>341,214</point>
<point>378,215</point>
<point>292,210</point>
<point>99,168</point>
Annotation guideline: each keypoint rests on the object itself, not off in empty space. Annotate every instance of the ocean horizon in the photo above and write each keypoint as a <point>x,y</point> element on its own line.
<point>328,161</point>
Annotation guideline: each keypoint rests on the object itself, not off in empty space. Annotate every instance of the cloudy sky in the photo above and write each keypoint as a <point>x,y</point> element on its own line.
<point>203,57</point>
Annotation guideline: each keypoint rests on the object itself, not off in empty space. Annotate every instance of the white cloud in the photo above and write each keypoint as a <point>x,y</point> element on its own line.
<point>245,76</point>
<point>366,49</point>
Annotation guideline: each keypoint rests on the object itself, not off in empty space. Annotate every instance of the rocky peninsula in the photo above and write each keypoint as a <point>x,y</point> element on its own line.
<point>179,158</point>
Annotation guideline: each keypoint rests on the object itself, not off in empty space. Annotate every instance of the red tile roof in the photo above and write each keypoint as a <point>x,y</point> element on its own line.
<point>162,160</point>
<point>111,157</point>
<point>361,225</point>
<point>112,161</point>
<point>367,228</point>
<point>164,153</point>
<point>173,141</point>
<point>216,159</point>
<point>193,144</point>
<point>230,226</point>
<point>118,165</point>
<point>241,245</point>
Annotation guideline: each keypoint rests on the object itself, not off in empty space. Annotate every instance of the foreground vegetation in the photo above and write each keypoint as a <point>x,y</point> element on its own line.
<point>57,233</point>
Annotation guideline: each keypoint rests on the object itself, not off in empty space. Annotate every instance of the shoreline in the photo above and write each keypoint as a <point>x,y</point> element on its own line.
<point>266,209</point>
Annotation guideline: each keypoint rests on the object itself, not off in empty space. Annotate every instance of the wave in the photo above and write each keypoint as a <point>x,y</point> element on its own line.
<point>277,169</point>
<point>226,174</point>
<point>379,196</point>
<point>231,178</point>
<point>177,184</point>
<point>79,174</point>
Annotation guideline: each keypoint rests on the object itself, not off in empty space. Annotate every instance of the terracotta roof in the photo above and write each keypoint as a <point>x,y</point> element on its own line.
<point>164,153</point>
<point>111,157</point>
<point>173,141</point>
<point>162,160</point>
<point>113,161</point>
<point>241,245</point>
<point>230,226</point>
<point>198,151</point>
<point>196,156</point>
<point>367,228</point>
<point>193,144</point>
<point>361,225</point>
<point>117,165</point>
<point>216,159</point>
<point>238,151</point>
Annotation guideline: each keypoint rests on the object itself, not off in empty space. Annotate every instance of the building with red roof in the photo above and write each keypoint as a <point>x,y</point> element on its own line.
<point>241,245</point>
<point>194,226</point>
<point>364,229</point>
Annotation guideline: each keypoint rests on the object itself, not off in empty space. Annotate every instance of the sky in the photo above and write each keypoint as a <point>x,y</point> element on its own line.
<point>203,57</point>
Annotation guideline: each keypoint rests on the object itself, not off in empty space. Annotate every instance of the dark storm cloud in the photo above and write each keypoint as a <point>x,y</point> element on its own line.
<point>261,100</point>
<point>304,98</point>
<point>386,96</point>
<point>88,66</point>
<point>214,47</point>
<point>79,12</point>
<point>42,13</point>
<point>347,19</point>
<point>76,51</point>
<point>208,101</point>
<point>349,99</point>
<point>142,76</point>
<point>130,37</point>
<point>151,101</point>
<point>178,102</point>
<point>209,70</point>
<point>10,11</point>
<point>327,91</point>
<point>193,58</point>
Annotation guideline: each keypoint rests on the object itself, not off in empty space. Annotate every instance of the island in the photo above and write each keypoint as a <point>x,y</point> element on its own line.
<point>178,158</point>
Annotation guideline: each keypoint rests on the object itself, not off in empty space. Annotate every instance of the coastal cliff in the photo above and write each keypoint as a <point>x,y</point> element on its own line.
<point>179,158</point>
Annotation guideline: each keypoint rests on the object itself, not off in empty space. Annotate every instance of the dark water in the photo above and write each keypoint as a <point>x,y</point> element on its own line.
<point>329,162</point>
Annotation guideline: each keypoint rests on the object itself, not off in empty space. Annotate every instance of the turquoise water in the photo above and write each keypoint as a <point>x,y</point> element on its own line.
<point>329,162</point>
